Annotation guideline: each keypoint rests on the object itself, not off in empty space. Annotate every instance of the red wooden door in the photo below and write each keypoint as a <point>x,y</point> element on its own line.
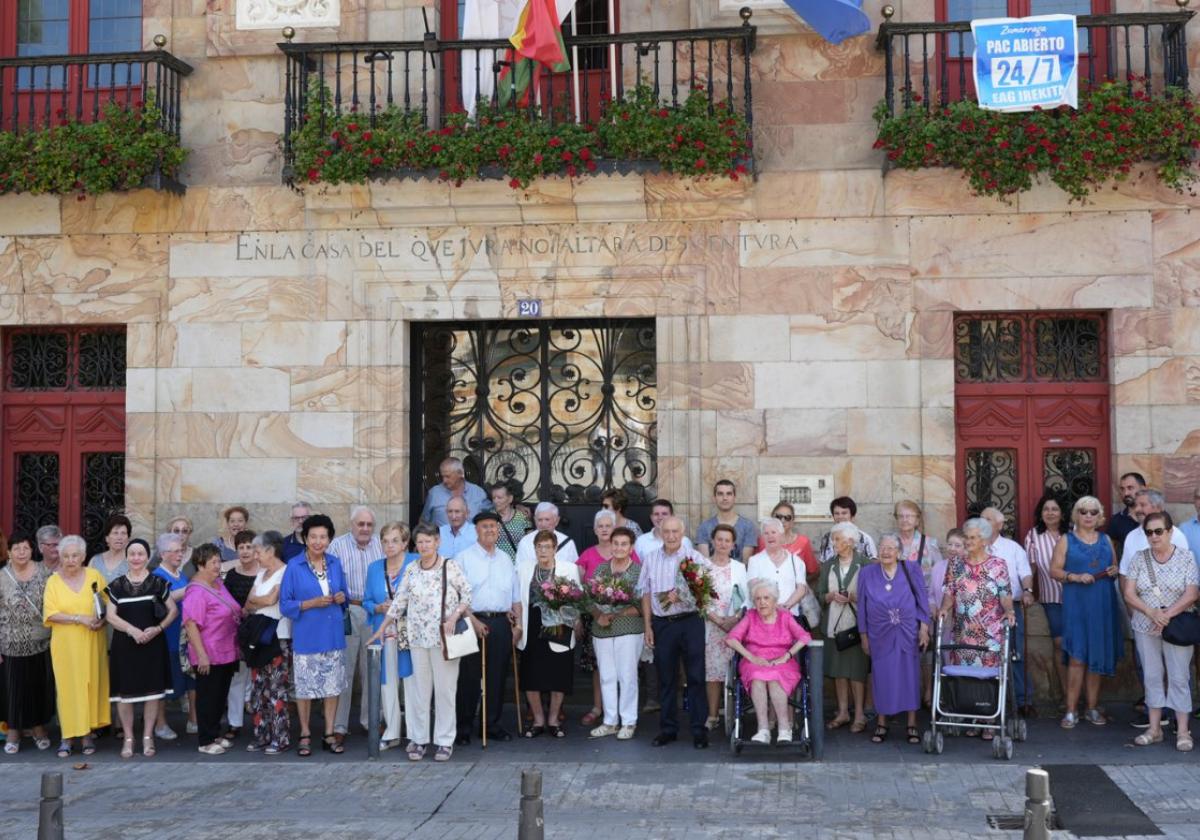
<point>62,428</point>
<point>1031,412</point>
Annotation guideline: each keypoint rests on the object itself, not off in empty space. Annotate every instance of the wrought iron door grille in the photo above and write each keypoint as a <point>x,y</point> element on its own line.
<point>64,359</point>
<point>1070,474</point>
<point>1030,347</point>
<point>103,494</point>
<point>992,482</point>
<point>558,410</point>
<point>35,491</point>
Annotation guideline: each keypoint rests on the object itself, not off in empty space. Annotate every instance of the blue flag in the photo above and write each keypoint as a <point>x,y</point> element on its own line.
<point>833,20</point>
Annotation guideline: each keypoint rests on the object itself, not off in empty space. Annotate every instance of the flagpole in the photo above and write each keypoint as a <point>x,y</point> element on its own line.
<point>612,49</point>
<point>575,61</point>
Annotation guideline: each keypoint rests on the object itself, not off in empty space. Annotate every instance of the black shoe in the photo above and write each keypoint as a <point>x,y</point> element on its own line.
<point>662,739</point>
<point>700,742</point>
<point>462,740</point>
<point>1143,722</point>
<point>500,735</point>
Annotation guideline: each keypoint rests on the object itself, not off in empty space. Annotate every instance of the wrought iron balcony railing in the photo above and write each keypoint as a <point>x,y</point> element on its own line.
<point>37,92</point>
<point>426,77</point>
<point>929,64</point>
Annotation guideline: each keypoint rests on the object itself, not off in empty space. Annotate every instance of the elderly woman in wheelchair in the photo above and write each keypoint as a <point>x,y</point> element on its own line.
<point>767,639</point>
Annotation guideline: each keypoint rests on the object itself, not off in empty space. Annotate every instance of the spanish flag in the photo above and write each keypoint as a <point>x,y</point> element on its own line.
<point>538,35</point>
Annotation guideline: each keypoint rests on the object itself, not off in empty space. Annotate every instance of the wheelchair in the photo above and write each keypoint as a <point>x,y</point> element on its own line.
<point>740,722</point>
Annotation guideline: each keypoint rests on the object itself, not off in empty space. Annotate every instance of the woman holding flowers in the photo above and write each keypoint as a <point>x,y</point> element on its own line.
<point>729,581</point>
<point>617,635</point>
<point>550,594</point>
<point>602,524</point>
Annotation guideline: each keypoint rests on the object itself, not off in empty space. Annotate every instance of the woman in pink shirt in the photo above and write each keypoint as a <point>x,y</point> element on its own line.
<point>210,618</point>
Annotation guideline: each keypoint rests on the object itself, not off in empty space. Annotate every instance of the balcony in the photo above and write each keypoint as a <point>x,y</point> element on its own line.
<point>47,94</point>
<point>930,63</point>
<point>419,85</point>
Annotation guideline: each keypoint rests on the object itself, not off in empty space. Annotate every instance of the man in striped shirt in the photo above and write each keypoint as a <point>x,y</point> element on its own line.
<point>675,630</point>
<point>357,550</point>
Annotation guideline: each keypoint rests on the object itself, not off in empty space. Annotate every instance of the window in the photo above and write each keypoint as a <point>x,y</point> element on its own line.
<point>41,28</point>
<point>955,10</point>
<point>589,17</point>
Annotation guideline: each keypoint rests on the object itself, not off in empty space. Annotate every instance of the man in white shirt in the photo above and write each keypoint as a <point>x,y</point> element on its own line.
<point>357,550</point>
<point>1020,576</point>
<point>495,607</point>
<point>457,534</point>
<point>660,511</point>
<point>545,518</point>
<point>1146,502</point>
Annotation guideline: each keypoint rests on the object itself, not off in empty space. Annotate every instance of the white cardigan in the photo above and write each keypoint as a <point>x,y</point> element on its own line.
<point>562,568</point>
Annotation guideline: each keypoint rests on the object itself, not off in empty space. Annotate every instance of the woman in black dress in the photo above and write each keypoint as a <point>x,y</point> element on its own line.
<point>547,658</point>
<point>139,670</point>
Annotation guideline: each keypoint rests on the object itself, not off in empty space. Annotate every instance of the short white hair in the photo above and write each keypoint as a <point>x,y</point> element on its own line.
<point>978,523</point>
<point>455,464</point>
<point>848,529</point>
<point>72,541</point>
<point>357,509</point>
<point>546,507</point>
<point>604,513</point>
<point>764,583</point>
<point>890,536</point>
<point>163,542</point>
<point>771,523</point>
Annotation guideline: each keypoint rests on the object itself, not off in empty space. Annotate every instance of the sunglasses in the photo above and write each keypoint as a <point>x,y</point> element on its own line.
<point>1155,532</point>
<point>784,517</point>
<point>1089,512</point>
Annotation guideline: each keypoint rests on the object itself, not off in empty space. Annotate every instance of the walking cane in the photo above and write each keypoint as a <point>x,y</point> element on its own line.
<point>483,686</point>
<point>517,691</point>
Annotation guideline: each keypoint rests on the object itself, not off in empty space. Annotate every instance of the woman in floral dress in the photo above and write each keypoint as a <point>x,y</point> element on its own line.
<point>729,581</point>
<point>978,598</point>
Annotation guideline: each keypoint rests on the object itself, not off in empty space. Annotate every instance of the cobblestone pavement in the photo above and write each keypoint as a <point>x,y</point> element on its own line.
<point>592,788</point>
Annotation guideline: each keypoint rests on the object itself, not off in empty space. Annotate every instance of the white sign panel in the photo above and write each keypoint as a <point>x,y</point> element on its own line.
<point>810,495</point>
<point>1026,63</point>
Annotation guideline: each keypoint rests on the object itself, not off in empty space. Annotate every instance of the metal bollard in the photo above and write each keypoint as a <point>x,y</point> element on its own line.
<point>531,823</point>
<point>374,678</point>
<point>1039,807</point>
<point>50,816</point>
<point>816,698</point>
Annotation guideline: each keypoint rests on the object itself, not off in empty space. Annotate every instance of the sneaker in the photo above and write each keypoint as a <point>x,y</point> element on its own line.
<point>1094,717</point>
<point>762,736</point>
<point>784,736</point>
<point>1069,720</point>
<point>225,742</point>
<point>165,733</point>
<point>603,731</point>
<point>1142,722</point>
<point>626,732</point>
<point>192,728</point>
<point>213,749</point>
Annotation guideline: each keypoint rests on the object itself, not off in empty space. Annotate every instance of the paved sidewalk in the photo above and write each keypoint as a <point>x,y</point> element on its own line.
<point>478,800</point>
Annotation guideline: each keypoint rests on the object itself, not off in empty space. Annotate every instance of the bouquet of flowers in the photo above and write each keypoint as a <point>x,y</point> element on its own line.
<point>560,601</point>
<point>610,594</point>
<point>698,581</point>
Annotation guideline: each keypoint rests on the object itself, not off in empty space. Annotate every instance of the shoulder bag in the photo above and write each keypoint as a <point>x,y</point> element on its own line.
<point>848,638</point>
<point>1184,629</point>
<point>462,642</point>
<point>185,662</point>
<point>400,624</point>
<point>912,588</point>
<point>810,607</point>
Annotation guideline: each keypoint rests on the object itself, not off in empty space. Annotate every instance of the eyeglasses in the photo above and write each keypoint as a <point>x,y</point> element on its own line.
<point>784,517</point>
<point>1089,512</point>
<point>1155,532</point>
<point>181,530</point>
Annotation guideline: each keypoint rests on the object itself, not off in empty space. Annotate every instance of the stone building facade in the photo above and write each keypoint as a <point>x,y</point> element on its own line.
<point>805,319</point>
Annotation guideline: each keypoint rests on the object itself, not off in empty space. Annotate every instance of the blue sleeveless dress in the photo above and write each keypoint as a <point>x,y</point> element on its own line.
<point>1091,623</point>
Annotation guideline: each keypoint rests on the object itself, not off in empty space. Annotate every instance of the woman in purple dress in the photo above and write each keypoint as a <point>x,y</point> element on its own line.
<point>893,622</point>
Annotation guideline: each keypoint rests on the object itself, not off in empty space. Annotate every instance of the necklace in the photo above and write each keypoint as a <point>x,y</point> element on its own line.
<point>888,580</point>
<point>543,575</point>
<point>320,573</point>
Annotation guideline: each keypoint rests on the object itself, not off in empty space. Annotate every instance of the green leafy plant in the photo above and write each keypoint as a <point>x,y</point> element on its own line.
<point>117,152</point>
<point>691,138</point>
<point>1080,150</point>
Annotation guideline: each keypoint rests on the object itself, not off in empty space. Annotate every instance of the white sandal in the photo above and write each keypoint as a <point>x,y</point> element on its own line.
<point>1148,738</point>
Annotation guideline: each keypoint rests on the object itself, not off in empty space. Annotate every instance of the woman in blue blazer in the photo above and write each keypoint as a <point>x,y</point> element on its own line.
<point>313,595</point>
<point>383,579</point>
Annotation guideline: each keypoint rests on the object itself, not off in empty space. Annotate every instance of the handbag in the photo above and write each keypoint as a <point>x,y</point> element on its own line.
<point>400,623</point>
<point>848,638</point>
<point>462,642</point>
<point>258,640</point>
<point>1182,630</point>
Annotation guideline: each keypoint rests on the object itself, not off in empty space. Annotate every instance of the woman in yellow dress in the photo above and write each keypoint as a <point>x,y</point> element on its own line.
<point>78,646</point>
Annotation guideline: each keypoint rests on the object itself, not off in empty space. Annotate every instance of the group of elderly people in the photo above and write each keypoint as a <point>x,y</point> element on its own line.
<point>263,626</point>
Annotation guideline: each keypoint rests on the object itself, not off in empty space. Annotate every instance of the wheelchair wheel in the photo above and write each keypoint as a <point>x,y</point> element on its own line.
<point>998,747</point>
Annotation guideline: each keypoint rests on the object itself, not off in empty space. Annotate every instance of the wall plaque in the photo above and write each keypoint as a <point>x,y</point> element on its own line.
<point>810,495</point>
<point>273,14</point>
